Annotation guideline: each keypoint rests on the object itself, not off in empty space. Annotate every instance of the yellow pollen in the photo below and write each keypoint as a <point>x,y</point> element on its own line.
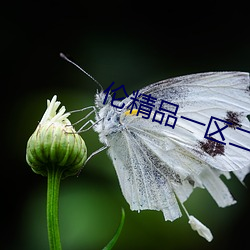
<point>134,112</point>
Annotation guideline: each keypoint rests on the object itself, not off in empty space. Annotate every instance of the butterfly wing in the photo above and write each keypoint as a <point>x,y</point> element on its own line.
<point>143,186</point>
<point>156,163</point>
<point>221,98</point>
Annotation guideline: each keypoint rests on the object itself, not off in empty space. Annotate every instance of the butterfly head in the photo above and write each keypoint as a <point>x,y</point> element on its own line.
<point>102,99</point>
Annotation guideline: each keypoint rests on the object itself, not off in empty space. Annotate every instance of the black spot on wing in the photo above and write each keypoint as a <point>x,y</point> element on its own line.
<point>234,118</point>
<point>248,89</point>
<point>212,148</point>
<point>190,181</point>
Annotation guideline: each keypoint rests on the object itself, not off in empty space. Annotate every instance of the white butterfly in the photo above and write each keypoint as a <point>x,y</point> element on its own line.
<point>159,166</point>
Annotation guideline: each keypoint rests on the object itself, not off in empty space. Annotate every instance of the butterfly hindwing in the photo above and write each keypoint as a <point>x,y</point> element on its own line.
<point>152,168</point>
<point>142,183</point>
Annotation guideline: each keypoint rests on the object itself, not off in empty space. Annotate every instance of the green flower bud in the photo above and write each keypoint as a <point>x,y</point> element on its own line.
<point>55,144</point>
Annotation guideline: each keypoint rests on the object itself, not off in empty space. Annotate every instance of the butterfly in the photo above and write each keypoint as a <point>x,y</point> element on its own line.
<point>159,166</point>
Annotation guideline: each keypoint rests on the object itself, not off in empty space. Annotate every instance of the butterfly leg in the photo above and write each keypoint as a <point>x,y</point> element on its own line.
<point>96,152</point>
<point>81,129</point>
<point>91,155</point>
<point>86,116</point>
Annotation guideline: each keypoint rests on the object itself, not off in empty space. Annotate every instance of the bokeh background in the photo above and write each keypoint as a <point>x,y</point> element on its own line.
<point>131,43</point>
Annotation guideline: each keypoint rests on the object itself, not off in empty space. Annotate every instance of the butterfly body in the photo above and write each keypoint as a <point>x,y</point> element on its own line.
<point>109,119</point>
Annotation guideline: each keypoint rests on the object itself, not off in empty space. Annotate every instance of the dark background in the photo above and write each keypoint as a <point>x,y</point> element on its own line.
<point>131,43</point>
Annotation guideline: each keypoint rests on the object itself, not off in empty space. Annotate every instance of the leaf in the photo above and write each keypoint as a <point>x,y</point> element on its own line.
<point>117,234</point>
<point>248,117</point>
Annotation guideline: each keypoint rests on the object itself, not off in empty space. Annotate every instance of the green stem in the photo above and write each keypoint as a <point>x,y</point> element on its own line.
<point>54,177</point>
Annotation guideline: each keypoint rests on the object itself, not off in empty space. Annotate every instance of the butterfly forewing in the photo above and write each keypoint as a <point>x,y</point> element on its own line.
<point>206,103</point>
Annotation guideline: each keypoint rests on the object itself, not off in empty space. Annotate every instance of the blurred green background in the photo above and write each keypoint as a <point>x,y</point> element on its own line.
<point>132,44</point>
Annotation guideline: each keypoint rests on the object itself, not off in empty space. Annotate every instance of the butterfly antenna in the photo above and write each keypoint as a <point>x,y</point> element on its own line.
<point>68,60</point>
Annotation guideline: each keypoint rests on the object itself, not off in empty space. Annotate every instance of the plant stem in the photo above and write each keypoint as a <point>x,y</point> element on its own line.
<point>54,177</point>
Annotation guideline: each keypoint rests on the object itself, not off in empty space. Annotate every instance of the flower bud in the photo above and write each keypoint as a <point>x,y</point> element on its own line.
<point>55,144</point>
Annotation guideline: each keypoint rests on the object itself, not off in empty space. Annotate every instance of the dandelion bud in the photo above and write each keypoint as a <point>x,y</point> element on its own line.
<point>55,143</point>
